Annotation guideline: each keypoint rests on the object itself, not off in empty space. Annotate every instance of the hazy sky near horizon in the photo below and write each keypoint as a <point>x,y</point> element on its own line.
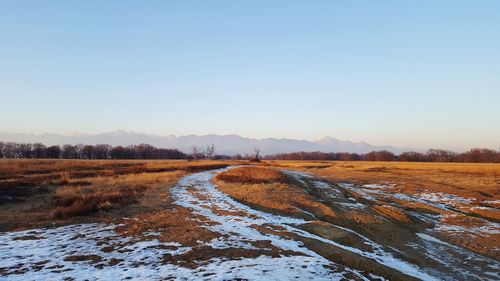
<point>403,73</point>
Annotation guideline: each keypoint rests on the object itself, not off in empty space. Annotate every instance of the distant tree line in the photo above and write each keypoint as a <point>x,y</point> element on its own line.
<point>475,155</point>
<point>146,151</point>
<point>80,151</point>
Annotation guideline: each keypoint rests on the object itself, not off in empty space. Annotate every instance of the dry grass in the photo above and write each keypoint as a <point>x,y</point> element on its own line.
<point>391,212</point>
<point>252,175</point>
<point>27,172</point>
<point>480,183</point>
<point>20,178</point>
<point>36,193</point>
<point>175,225</point>
<point>41,192</point>
<point>269,189</point>
<point>469,180</point>
<point>104,193</point>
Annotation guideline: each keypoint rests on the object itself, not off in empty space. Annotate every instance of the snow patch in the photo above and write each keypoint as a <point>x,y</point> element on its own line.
<point>238,227</point>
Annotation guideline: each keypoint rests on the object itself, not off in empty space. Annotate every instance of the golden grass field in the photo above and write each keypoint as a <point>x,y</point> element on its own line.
<point>43,192</point>
<point>479,183</point>
<point>136,196</point>
<point>270,190</point>
<point>469,180</point>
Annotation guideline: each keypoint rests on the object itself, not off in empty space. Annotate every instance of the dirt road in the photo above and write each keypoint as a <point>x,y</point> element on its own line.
<point>249,244</point>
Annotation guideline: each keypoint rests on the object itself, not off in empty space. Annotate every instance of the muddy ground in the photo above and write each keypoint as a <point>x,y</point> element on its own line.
<point>312,225</point>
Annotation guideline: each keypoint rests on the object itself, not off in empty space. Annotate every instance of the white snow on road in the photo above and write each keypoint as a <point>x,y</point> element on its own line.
<point>44,259</point>
<point>238,227</point>
<point>457,259</point>
<point>42,254</point>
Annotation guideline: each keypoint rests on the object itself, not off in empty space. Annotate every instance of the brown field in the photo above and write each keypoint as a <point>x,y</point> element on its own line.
<point>47,192</point>
<point>344,202</point>
<point>251,175</point>
<point>481,179</point>
<point>478,183</point>
<point>270,190</point>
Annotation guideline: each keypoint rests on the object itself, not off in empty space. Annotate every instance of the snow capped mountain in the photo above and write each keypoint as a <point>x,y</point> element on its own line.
<point>225,144</point>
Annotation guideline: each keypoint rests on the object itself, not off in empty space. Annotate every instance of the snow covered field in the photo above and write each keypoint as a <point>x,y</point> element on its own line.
<point>96,251</point>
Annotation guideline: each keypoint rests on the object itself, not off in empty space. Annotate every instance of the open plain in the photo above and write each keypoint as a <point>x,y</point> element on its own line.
<point>225,220</point>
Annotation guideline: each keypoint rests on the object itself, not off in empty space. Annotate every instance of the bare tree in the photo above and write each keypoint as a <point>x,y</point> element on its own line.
<point>25,150</point>
<point>196,153</point>
<point>54,151</point>
<point>39,150</point>
<point>102,151</point>
<point>411,156</point>
<point>9,150</point>
<point>88,152</point>
<point>439,155</point>
<point>256,153</point>
<point>79,151</point>
<point>69,151</point>
<point>382,155</point>
<point>210,152</point>
<point>118,152</point>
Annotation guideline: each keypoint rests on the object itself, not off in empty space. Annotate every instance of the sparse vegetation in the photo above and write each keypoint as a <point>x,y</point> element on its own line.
<point>478,183</point>
<point>252,175</point>
<point>136,196</point>
<point>458,178</point>
<point>269,189</point>
<point>36,192</point>
<point>104,193</point>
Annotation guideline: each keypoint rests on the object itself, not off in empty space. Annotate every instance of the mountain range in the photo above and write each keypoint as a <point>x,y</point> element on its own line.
<point>225,144</point>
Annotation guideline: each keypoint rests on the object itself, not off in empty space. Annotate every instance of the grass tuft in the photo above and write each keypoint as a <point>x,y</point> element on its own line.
<point>252,175</point>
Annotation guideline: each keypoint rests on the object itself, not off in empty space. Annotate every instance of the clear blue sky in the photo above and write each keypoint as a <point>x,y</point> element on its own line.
<point>404,73</point>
